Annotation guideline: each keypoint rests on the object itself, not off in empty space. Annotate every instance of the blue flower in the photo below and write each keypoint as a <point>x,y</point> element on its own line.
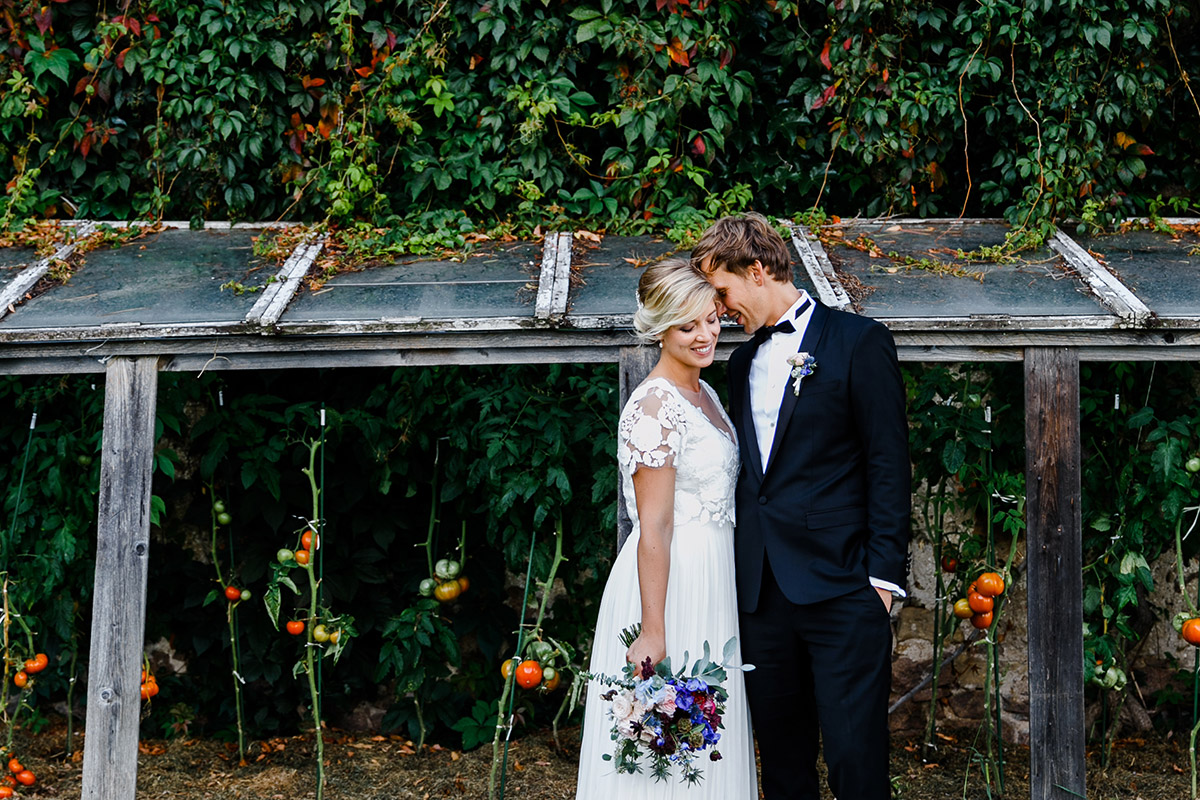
<point>696,685</point>
<point>683,701</point>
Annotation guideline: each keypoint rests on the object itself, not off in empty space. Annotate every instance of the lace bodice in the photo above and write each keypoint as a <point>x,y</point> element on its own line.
<point>658,428</point>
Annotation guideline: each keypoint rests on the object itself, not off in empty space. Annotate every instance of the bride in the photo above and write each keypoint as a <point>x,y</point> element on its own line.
<point>679,463</point>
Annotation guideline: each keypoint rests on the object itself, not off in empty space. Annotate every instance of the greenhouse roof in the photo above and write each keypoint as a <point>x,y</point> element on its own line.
<point>180,293</point>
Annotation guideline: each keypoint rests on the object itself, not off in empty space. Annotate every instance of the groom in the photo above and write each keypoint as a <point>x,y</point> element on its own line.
<point>822,517</point>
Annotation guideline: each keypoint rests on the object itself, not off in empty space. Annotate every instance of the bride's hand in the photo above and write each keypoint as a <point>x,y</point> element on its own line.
<point>645,646</point>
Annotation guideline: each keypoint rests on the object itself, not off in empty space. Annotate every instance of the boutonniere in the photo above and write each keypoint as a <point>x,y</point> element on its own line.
<point>803,365</point>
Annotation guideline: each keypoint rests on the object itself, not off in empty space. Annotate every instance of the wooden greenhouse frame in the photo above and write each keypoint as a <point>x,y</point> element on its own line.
<point>1119,326</point>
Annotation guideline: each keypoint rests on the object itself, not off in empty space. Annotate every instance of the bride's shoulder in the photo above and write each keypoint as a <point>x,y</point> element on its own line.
<point>652,397</point>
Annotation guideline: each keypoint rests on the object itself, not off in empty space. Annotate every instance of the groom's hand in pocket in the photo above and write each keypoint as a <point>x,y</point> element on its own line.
<point>886,597</point>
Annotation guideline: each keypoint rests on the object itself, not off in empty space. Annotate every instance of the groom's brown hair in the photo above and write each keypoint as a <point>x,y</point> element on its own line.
<point>737,241</point>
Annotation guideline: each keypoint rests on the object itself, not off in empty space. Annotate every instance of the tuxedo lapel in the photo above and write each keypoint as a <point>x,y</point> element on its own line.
<point>809,344</point>
<point>745,417</point>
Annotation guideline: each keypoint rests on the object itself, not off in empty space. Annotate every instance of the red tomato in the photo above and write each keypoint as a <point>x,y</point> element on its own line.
<point>1191,632</point>
<point>295,627</point>
<point>980,603</point>
<point>232,593</point>
<point>20,679</point>
<point>14,766</point>
<point>529,674</point>
<point>990,584</point>
<point>950,564</point>
<point>306,540</point>
<point>25,778</point>
<point>983,620</point>
<point>6,791</point>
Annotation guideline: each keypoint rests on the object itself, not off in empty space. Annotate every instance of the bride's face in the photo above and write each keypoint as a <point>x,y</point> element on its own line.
<point>694,343</point>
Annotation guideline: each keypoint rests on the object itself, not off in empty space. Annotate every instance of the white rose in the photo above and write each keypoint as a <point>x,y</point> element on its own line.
<point>621,707</point>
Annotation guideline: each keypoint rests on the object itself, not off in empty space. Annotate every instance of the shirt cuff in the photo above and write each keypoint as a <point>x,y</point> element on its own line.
<point>891,587</point>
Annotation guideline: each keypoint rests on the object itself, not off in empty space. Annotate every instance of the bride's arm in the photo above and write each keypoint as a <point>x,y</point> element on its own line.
<point>654,491</point>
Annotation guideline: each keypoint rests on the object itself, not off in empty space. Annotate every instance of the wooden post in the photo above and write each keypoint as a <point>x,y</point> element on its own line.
<point>110,752</point>
<point>635,365</point>
<point>1055,573</point>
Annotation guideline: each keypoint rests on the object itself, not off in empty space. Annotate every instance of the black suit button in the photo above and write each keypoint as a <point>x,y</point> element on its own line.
<point>762,501</point>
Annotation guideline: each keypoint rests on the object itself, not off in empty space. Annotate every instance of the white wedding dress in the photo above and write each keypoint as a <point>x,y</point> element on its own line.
<point>659,427</point>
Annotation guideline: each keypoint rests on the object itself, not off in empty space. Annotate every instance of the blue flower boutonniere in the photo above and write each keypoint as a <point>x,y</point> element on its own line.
<point>803,365</point>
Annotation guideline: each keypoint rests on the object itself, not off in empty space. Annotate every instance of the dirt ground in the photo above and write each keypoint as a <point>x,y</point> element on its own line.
<point>376,767</point>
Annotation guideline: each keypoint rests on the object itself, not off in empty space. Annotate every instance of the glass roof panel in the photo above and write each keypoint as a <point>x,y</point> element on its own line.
<point>494,281</point>
<point>170,277</point>
<point>610,270</point>
<point>1161,269</point>
<point>936,283</point>
<point>12,261</point>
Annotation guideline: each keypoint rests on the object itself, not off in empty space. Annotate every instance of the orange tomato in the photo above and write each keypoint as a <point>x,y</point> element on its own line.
<point>983,620</point>
<point>445,592</point>
<point>980,603</point>
<point>306,540</point>
<point>14,766</point>
<point>302,557</point>
<point>6,791</point>
<point>990,584</point>
<point>962,609</point>
<point>146,691</point>
<point>1191,632</point>
<point>507,666</point>
<point>529,674</point>
<point>20,679</point>
<point>26,778</point>
<point>463,584</point>
<point>553,683</point>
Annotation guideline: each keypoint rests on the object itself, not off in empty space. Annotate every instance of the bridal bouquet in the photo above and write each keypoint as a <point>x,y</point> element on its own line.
<point>672,717</point>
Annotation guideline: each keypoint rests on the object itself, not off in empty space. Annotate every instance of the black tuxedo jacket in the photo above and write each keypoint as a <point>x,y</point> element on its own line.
<point>833,508</point>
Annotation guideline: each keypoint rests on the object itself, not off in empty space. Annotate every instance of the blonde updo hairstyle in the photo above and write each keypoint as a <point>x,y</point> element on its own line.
<point>670,293</point>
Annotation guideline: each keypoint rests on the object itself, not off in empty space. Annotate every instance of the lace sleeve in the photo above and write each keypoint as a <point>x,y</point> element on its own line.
<point>651,431</point>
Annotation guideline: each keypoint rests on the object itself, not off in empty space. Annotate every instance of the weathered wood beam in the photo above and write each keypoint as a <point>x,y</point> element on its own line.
<point>275,298</point>
<point>554,283</point>
<point>1107,287</point>
<point>1055,574</point>
<point>119,594</point>
<point>14,294</point>
<point>635,365</point>
<point>820,270</point>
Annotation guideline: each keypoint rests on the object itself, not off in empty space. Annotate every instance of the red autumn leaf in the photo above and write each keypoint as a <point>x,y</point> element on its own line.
<point>846,44</point>
<point>726,56</point>
<point>309,83</point>
<point>134,26</point>
<point>698,147</point>
<point>825,55</point>
<point>325,128</point>
<point>120,60</point>
<point>885,75</point>
<point>391,40</point>
<point>81,86</point>
<point>1143,150</point>
<point>677,53</point>
<point>84,145</point>
<point>43,20</point>
<point>825,97</point>
<point>364,71</point>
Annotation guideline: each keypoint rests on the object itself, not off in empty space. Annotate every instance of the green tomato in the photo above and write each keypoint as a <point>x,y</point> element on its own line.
<point>454,568</point>
<point>284,555</point>
<point>223,518</point>
<point>539,650</point>
<point>219,507</point>
<point>320,634</point>
<point>246,595</point>
<point>1193,464</point>
<point>442,569</point>
<point>83,460</point>
<point>427,586</point>
<point>548,674</point>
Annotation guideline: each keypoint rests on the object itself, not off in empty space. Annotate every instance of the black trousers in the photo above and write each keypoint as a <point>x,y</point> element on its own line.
<point>823,671</point>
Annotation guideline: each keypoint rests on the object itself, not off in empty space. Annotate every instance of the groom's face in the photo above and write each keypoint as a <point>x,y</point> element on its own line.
<point>739,294</point>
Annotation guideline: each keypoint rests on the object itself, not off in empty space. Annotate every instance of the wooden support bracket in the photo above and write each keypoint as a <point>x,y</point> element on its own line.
<point>820,270</point>
<point>1055,574</point>
<point>1107,287</point>
<point>114,703</point>
<point>13,294</point>
<point>635,364</point>
<point>275,298</point>
<point>554,283</point>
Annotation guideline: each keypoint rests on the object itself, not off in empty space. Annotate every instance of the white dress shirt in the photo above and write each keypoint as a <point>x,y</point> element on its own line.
<point>769,373</point>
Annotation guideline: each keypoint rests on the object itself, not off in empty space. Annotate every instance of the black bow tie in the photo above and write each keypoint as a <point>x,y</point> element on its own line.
<point>764,333</point>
